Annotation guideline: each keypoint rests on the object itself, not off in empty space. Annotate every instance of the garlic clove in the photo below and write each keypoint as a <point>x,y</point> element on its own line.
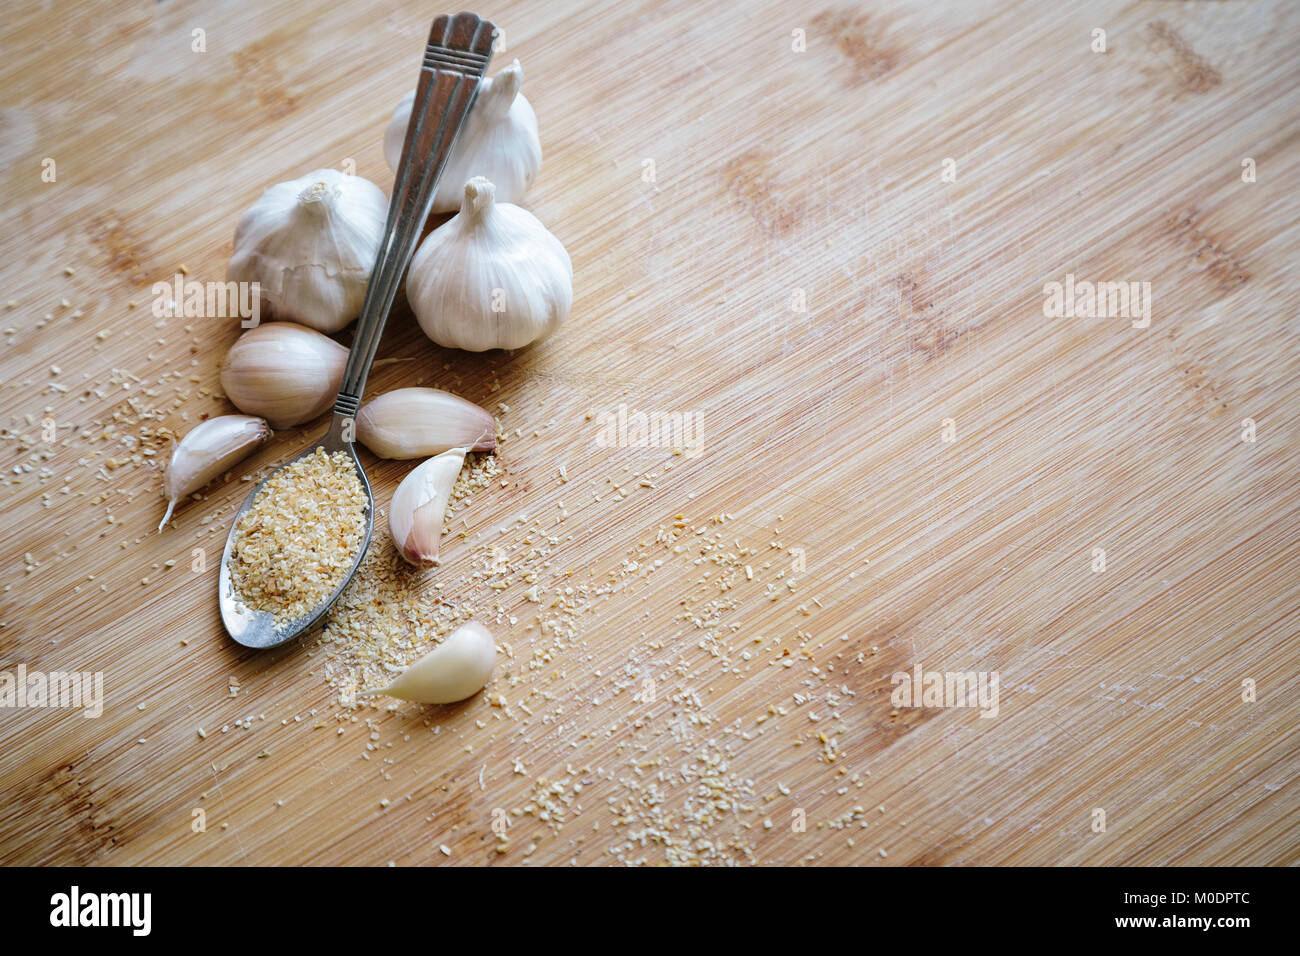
<point>457,668</point>
<point>492,277</point>
<point>207,450</point>
<point>284,372</point>
<point>418,505</point>
<point>311,244</point>
<point>421,422</point>
<point>499,140</point>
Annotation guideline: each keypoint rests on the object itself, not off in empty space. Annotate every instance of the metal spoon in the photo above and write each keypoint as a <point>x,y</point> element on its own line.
<point>454,63</point>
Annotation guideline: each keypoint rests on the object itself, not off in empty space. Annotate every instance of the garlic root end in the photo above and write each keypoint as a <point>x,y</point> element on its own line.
<point>171,506</point>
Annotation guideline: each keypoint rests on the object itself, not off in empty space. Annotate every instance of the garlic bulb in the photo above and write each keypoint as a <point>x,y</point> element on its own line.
<point>492,277</point>
<point>420,422</point>
<point>457,668</point>
<point>419,503</point>
<point>207,450</point>
<point>284,372</point>
<point>311,244</point>
<point>499,141</point>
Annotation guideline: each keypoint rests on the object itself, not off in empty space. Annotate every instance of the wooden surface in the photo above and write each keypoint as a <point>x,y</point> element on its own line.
<point>774,170</point>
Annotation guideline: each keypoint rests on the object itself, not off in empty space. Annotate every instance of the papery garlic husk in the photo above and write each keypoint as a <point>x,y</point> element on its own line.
<point>419,503</point>
<point>311,244</point>
<point>492,277</point>
<point>284,372</point>
<point>207,450</point>
<point>420,422</point>
<point>457,668</point>
<point>499,141</point>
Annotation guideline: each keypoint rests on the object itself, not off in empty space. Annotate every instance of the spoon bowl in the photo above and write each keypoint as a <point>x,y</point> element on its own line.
<point>253,628</point>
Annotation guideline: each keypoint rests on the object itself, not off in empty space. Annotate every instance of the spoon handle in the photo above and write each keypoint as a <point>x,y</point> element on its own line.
<point>454,62</point>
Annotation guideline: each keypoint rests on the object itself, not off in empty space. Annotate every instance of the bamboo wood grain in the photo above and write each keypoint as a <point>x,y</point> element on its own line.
<point>1121,690</point>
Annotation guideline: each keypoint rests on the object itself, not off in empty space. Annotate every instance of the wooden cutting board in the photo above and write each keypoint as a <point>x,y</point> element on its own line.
<point>821,235</point>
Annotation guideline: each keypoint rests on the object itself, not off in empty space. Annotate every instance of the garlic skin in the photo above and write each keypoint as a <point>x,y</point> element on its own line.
<point>207,450</point>
<point>492,277</point>
<point>421,422</point>
<point>499,140</point>
<point>311,244</point>
<point>419,503</point>
<point>457,668</point>
<point>284,372</point>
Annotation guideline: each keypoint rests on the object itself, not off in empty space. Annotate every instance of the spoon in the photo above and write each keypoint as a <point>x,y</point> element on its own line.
<point>454,63</point>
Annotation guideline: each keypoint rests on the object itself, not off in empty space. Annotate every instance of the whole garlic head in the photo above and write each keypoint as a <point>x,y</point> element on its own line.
<point>499,141</point>
<point>491,277</point>
<point>311,244</point>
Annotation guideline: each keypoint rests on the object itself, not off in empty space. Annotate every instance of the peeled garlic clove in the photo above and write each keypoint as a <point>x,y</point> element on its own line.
<point>492,277</point>
<point>420,422</point>
<point>499,140</point>
<point>311,243</point>
<point>419,503</point>
<point>457,668</point>
<point>209,449</point>
<point>284,372</point>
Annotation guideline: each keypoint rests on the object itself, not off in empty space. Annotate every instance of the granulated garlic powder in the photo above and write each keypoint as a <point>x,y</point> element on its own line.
<point>296,542</point>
